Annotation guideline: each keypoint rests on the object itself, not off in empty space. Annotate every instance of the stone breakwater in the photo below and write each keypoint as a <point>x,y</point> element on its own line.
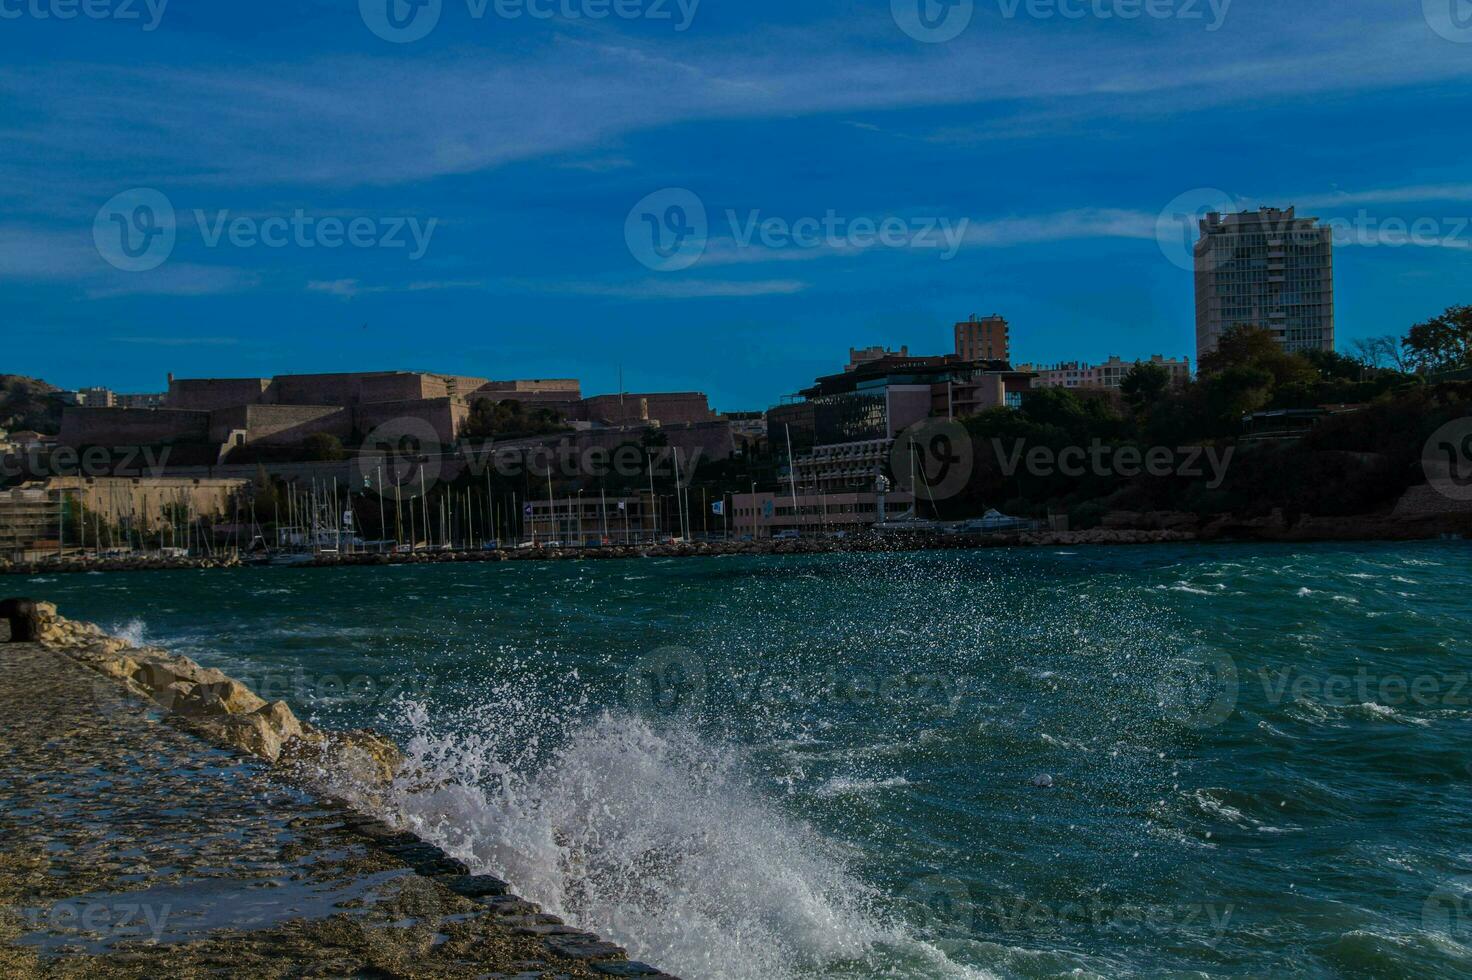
<point>157,818</point>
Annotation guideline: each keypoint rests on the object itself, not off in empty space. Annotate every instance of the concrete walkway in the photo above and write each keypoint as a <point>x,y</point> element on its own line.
<point>130,848</point>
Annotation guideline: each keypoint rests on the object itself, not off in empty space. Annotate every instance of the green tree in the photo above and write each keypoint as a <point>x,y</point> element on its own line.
<point>1334,366</point>
<point>1443,343</point>
<point>323,447</point>
<point>509,420</point>
<point>1143,385</point>
<point>1256,348</point>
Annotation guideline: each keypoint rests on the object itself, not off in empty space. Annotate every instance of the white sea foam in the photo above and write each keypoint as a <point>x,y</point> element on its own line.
<point>132,631</point>
<point>655,838</point>
<point>850,786</point>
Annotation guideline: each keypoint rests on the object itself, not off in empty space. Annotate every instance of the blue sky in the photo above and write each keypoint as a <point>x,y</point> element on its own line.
<point>1050,146</point>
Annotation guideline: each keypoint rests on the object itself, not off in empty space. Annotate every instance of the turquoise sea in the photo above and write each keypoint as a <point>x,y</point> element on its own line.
<point>1204,761</point>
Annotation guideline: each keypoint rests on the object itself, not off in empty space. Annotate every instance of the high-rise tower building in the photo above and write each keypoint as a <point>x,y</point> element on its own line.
<point>1267,268</point>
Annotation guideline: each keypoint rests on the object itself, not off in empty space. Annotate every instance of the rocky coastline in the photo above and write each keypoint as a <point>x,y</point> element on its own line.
<point>1118,529</point>
<point>345,773</point>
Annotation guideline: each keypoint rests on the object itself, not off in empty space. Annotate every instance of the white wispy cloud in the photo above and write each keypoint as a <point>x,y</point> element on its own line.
<point>344,288</point>
<point>1062,226</point>
<point>678,288</point>
<point>349,288</point>
<point>399,119</point>
<point>1413,194</point>
<point>178,341</point>
<point>174,279</point>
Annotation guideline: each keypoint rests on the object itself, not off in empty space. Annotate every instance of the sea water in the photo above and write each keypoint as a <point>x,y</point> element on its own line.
<point>1233,760</point>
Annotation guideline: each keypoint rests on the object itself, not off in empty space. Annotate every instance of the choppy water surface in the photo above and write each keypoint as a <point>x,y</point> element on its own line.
<point>827,767</point>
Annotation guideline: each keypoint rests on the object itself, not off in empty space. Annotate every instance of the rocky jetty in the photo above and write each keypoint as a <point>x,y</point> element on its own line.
<point>275,834</point>
<point>135,563</point>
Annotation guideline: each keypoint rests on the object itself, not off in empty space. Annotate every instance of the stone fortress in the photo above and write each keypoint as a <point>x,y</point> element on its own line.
<point>286,409</point>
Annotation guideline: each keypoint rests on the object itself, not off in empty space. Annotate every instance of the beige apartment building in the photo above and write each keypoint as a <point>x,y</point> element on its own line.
<point>1109,374</point>
<point>1267,268</point>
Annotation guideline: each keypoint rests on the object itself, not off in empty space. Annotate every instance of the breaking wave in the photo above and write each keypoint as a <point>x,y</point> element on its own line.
<point>657,839</point>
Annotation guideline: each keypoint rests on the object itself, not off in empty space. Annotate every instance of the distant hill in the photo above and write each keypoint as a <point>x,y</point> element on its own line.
<point>29,403</point>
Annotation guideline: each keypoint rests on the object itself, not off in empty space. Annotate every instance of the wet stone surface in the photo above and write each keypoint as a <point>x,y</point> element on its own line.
<point>131,848</point>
